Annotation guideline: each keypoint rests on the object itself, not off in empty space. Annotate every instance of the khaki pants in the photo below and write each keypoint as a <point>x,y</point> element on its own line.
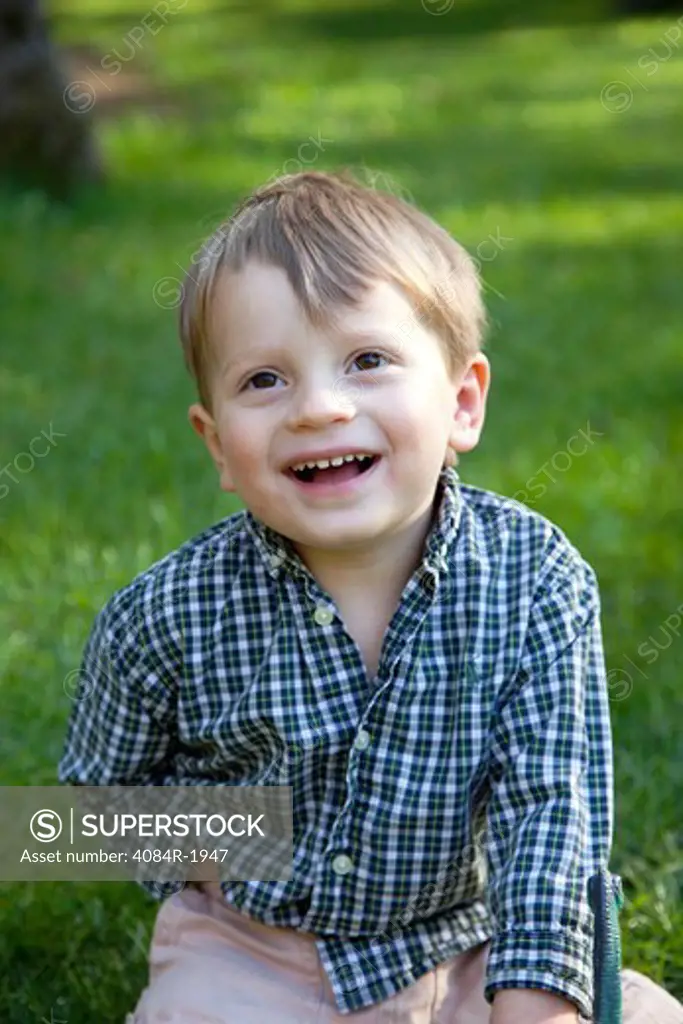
<point>210,964</point>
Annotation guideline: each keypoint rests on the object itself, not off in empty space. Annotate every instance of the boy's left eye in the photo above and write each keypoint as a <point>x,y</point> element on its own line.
<point>260,375</point>
<point>371,355</point>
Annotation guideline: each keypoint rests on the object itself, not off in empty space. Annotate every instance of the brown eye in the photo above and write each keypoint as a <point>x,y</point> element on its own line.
<point>260,376</point>
<point>371,356</point>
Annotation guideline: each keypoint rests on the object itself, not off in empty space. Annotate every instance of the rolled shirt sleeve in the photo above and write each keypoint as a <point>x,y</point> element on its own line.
<point>550,812</point>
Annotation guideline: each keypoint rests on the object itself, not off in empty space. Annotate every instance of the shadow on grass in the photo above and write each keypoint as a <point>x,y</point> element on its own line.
<point>374,20</point>
<point>371,22</point>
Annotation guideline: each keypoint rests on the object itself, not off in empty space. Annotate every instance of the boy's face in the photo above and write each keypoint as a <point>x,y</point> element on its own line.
<point>285,392</point>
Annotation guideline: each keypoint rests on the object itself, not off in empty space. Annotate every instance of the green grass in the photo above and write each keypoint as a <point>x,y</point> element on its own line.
<point>497,131</point>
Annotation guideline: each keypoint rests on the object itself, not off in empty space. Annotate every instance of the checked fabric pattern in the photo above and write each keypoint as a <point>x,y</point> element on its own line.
<point>464,793</point>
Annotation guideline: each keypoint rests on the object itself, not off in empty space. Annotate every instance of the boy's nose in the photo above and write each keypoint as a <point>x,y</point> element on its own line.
<point>326,401</point>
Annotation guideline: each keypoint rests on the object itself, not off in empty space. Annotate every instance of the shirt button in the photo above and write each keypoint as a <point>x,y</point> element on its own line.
<point>341,865</point>
<point>276,561</point>
<point>362,741</point>
<point>322,615</point>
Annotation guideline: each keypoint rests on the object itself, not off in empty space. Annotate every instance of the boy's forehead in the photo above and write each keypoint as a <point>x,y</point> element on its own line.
<point>257,306</point>
<point>248,296</point>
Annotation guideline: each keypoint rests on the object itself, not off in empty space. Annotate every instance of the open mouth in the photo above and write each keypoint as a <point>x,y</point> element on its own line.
<point>334,474</point>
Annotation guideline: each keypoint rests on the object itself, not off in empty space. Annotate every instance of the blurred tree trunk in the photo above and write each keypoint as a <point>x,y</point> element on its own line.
<point>43,142</point>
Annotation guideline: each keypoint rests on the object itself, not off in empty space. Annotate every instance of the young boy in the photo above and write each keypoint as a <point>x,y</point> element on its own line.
<point>419,659</point>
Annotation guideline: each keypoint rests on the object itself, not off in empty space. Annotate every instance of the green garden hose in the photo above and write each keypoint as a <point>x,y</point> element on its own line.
<point>606,898</point>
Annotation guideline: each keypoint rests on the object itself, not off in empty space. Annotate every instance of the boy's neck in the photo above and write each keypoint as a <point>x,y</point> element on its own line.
<point>374,576</point>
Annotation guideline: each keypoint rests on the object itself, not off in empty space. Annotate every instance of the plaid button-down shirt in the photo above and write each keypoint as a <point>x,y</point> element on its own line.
<point>464,793</point>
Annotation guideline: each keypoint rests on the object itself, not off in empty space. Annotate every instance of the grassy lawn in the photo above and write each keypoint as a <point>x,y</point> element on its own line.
<point>498,130</point>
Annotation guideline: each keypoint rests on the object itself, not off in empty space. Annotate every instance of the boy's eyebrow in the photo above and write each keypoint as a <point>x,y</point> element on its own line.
<point>380,336</point>
<point>266,353</point>
<point>251,355</point>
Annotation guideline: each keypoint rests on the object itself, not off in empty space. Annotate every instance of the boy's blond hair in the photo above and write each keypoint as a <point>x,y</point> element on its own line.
<point>333,237</point>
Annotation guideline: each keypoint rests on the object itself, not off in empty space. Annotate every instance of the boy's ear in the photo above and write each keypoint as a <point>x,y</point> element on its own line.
<point>203,424</point>
<point>470,408</point>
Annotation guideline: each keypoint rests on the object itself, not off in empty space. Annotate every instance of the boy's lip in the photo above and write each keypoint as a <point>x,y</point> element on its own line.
<point>329,453</point>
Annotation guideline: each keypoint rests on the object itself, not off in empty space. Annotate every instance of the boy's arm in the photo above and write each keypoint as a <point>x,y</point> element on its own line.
<point>121,723</point>
<point>551,806</point>
<point>531,1006</point>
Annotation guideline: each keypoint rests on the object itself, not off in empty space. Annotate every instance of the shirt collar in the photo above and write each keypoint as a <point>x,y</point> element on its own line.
<point>277,552</point>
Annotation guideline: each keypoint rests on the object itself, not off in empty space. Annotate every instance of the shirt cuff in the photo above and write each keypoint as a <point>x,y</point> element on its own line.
<point>559,962</point>
<point>162,890</point>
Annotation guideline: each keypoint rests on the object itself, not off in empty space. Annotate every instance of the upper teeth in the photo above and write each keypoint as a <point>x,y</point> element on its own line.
<point>324,463</point>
